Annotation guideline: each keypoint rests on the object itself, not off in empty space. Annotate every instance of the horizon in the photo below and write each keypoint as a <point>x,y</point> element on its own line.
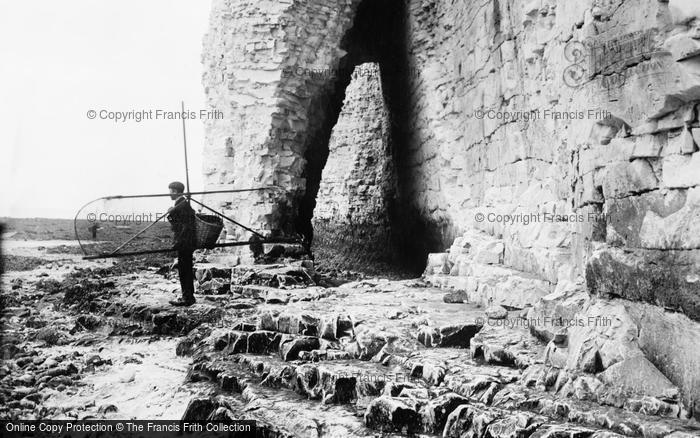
<point>66,77</point>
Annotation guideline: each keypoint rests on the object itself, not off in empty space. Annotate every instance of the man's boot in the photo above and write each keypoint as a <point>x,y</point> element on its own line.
<point>184,261</point>
<point>184,301</point>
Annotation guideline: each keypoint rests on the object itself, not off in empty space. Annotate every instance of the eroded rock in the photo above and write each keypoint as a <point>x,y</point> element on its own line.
<point>391,414</point>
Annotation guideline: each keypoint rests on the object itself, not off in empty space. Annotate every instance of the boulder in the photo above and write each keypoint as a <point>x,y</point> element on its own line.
<point>658,277</point>
<point>267,321</point>
<point>468,420</point>
<point>624,178</point>
<point>309,325</point>
<point>291,346</point>
<point>457,296</point>
<point>228,382</point>
<point>490,253</point>
<point>237,343</point>
<point>198,409</point>
<point>448,336</point>
<point>636,375</point>
<point>429,336</point>
<point>215,286</point>
<point>563,431</point>
<point>107,409</point>
<point>288,323</point>
<point>435,413</point>
<point>368,343</point>
<point>521,424</point>
<point>458,335</point>
<point>337,387</point>
<point>604,327</point>
<point>391,414</point>
<point>496,312</point>
<point>277,297</point>
<point>548,315</point>
<point>260,342</point>
<point>438,263</point>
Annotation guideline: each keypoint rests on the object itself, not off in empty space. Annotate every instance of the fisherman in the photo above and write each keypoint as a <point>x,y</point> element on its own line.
<point>182,220</point>
<point>93,229</point>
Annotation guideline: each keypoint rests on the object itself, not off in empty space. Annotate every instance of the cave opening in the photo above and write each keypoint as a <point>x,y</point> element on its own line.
<point>369,233</point>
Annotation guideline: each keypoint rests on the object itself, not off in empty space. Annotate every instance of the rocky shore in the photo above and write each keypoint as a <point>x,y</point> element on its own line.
<point>368,357</point>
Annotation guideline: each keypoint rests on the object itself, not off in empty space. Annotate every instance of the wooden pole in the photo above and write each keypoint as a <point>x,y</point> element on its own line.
<point>137,235</point>
<point>206,192</point>
<point>231,220</point>
<point>156,251</point>
<point>184,143</point>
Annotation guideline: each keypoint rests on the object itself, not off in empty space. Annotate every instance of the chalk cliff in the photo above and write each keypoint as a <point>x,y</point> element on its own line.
<point>537,154</point>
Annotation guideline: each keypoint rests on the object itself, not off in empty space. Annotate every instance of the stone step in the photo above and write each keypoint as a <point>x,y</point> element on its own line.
<point>363,388</point>
<point>439,381</point>
<point>338,326</point>
<point>479,421</point>
<point>331,337</point>
<point>499,386</point>
<point>265,342</point>
<point>450,369</point>
<point>500,345</point>
<point>487,283</point>
<point>255,281</point>
<point>331,327</point>
<point>314,348</point>
<point>280,414</point>
<point>342,382</point>
<point>320,350</point>
<point>157,317</point>
<point>588,387</point>
<point>286,400</point>
<point>591,414</point>
<point>424,379</point>
<point>295,275</point>
<point>450,415</point>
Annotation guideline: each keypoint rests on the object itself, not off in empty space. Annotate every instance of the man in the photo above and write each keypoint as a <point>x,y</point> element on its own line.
<point>182,220</point>
<point>93,229</point>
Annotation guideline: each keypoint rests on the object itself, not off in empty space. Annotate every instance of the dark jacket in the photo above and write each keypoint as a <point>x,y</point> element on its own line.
<point>182,221</point>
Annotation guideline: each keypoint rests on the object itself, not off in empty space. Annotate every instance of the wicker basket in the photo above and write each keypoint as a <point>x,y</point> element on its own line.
<point>208,228</point>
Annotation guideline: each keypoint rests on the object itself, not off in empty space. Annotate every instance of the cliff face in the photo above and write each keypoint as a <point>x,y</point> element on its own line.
<point>274,69</point>
<point>553,146</point>
<point>352,217</point>
<point>608,152</point>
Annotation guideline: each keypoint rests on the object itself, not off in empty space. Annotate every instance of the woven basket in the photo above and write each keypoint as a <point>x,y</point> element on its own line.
<point>208,228</point>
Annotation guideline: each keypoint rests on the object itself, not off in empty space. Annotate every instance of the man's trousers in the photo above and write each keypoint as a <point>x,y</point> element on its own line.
<point>184,268</point>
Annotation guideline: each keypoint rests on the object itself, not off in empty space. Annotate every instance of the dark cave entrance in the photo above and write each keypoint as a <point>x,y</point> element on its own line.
<point>378,36</point>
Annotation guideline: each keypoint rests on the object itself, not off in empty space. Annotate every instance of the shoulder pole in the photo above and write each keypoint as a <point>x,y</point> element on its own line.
<point>230,220</point>
<point>166,250</point>
<point>184,142</point>
<point>137,234</point>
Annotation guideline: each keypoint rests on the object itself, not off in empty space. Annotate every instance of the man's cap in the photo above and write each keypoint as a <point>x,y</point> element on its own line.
<point>177,185</point>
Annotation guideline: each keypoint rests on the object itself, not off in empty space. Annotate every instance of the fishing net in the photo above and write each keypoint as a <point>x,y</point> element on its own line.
<point>124,225</point>
<point>118,226</point>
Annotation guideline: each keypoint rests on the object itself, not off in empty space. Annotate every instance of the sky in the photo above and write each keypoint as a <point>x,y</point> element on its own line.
<point>59,61</point>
